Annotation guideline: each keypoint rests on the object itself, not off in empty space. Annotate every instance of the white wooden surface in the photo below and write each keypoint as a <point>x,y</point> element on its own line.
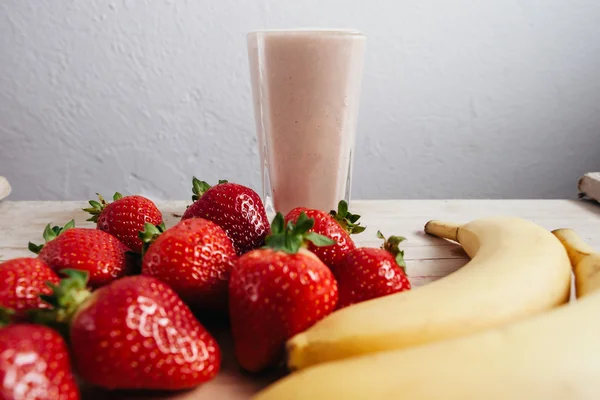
<point>427,258</point>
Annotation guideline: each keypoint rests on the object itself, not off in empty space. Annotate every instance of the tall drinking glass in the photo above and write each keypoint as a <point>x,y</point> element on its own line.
<point>306,86</point>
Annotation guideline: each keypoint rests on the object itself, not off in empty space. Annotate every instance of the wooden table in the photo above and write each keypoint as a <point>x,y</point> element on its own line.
<point>427,258</point>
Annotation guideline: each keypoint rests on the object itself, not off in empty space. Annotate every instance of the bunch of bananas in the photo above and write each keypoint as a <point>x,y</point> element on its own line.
<point>498,328</point>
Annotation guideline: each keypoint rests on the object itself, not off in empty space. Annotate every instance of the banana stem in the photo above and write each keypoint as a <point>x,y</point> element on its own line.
<point>443,229</point>
<point>577,249</point>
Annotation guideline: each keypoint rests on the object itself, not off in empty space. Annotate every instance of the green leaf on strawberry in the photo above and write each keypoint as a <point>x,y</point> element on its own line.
<point>150,234</point>
<point>50,233</point>
<point>391,245</point>
<point>200,187</point>
<point>64,300</point>
<point>6,315</point>
<point>346,219</point>
<point>98,206</point>
<point>318,240</point>
<point>292,237</point>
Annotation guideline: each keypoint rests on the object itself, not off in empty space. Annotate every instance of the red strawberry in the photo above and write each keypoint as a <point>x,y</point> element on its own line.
<point>194,258</point>
<point>278,291</point>
<point>334,225</point>
<point>367,273</point>
<point>22,281</point>
<point>134,333</point>
<point>124,218</point>
<point>91,250</point>
<point>34,364</point>
<point>235,208</point>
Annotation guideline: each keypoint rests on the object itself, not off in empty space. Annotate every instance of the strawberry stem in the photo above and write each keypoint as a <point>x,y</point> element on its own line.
<point>391,245</point>
<point>292,237</point>
<point>150,234</point>
<point>65,299</point>
<point>346,219</point>
<point>97,207</point>
<point>50,233</point>
<point>200,187</point>
<point>6,315</point>
<point>35,248</point>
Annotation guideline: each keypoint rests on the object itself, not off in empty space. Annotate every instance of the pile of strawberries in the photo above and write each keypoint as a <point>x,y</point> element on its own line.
<point>120,304</point>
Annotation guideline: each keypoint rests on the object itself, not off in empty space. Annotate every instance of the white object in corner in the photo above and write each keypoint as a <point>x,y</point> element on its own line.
<point>589,185</point>
<point>4,188</point>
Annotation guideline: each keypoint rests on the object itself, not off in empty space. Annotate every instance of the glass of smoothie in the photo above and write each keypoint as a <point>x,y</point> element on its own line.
<point>306,86</point>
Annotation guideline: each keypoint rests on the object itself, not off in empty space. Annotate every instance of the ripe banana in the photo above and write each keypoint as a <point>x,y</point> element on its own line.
<point>550,356</point>
<point>517,269</point>
<point>585,261</point>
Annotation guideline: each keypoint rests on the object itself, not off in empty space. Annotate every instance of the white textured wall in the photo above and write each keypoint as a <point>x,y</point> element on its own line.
<point>497,98</point>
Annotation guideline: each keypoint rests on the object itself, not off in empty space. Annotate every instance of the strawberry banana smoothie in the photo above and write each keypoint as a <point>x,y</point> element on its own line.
<point>306,86</point>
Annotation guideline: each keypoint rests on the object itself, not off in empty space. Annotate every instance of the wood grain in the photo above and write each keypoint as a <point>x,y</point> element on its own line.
<point>427,258</point>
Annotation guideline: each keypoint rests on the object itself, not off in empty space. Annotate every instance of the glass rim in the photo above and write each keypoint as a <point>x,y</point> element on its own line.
<point>293,31</point>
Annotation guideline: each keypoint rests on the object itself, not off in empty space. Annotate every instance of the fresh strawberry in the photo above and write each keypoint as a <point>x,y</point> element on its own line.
<point>194,258</point>
<point>367,273</point>
<point>91,250</point>
<point>34,364</point>
<point>278,291</point>
<point>235,208</point>
<point>22,281</point>
<point>124,218</point>
<point>335,225</point>
<point>134,333</point>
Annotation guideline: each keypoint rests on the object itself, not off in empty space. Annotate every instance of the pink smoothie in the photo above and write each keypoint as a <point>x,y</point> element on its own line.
<point>306,87</point>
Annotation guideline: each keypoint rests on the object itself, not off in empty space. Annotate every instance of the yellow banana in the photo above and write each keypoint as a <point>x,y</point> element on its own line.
<point>517,269</point>
<point>585,261</point>
<point>551,356</point>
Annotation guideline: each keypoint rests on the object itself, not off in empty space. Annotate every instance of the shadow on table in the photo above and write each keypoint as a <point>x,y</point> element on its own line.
<point>589,205</point>
<point>455,249</point>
